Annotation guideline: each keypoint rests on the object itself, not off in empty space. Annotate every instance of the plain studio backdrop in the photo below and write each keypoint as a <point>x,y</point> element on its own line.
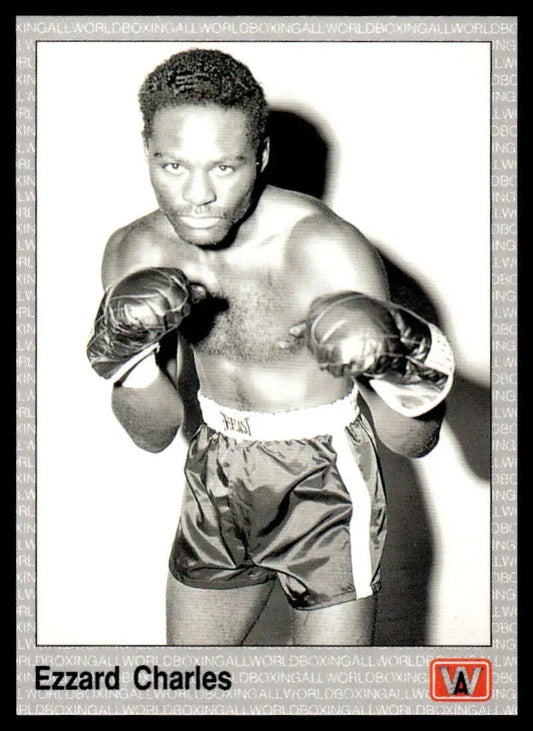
<point>405,131</point>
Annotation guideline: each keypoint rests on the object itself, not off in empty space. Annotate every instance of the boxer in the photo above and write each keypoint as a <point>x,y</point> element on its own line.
<point>287,311</point>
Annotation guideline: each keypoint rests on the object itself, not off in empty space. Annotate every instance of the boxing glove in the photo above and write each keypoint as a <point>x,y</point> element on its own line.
<point>135,313</point>
<point>409,361</point>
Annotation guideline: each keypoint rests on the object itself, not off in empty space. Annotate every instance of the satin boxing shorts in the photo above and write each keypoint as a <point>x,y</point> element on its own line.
<point>296,495</point>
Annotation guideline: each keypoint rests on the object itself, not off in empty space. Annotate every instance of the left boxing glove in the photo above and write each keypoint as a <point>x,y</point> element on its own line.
<point>351,333</point>
<point>135,313</point>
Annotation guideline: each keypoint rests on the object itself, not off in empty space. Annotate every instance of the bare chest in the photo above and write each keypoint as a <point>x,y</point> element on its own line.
<point>248,312</point>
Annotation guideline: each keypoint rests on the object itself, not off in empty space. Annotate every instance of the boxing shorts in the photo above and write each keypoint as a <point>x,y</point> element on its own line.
<point>296,495</point>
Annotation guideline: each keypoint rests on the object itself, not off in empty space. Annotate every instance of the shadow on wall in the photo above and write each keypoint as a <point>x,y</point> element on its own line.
<point>299,156</point>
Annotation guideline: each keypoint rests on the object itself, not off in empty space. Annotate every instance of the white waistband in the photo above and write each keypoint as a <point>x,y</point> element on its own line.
<point>296,424</point>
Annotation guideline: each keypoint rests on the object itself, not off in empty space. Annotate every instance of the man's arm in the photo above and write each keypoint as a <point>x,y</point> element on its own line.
<point>147,405</point>
<point>408,436</point>
<point>145,398</point>
<point>350,279</point>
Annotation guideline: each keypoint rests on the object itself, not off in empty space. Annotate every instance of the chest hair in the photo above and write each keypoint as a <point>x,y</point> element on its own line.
<point>243,322</point>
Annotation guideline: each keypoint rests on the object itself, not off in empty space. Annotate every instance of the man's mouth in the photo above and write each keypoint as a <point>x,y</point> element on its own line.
<point>200,221</point>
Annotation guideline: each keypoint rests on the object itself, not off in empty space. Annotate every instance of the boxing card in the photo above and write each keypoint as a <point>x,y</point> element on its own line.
<point>404,128</point>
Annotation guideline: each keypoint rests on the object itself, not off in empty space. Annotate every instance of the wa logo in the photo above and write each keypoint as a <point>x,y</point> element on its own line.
<point>460,680</point>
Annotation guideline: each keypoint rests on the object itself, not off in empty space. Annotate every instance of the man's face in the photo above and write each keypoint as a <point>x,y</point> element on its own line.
<point>203,169</point>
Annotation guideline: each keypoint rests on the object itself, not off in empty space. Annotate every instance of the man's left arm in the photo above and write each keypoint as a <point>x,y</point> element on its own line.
<point>407,360</point>
<point>353,329</point>
<point>409,436</point>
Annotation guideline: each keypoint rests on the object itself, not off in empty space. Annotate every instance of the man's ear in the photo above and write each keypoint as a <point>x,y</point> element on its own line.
<point>145,147</point>
<point>265,154</point>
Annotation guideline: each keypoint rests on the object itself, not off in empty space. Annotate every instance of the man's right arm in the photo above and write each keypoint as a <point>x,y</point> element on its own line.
<point>126,340</point>
<point>147,404</point>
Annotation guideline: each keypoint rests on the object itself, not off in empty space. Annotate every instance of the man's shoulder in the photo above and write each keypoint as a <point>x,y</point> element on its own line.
<point>136,245</point>
<point>303,216</point>
<point>312,226</point>
<point>327,249</point>
<point>144,231</point>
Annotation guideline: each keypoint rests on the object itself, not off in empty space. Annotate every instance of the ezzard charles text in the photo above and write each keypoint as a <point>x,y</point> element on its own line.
<point>143,677</point>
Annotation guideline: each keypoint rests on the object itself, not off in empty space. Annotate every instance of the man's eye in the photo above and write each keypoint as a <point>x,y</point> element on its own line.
<point>173,167</point>
<point>223,170</point>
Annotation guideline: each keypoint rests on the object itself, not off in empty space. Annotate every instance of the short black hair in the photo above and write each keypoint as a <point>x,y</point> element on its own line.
<point>204,76</point>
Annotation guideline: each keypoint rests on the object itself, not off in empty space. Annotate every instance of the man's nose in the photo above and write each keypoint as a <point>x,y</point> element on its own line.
<point>198,189</point>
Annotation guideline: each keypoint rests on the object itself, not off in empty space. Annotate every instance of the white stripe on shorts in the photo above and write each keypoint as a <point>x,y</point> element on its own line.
<point>354,482</point>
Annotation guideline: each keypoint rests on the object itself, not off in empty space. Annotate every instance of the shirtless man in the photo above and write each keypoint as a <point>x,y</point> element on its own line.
<point>286,309</point>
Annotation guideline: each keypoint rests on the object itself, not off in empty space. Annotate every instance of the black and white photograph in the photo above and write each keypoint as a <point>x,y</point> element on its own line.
<point>374,156</point>
<point>263,350</point>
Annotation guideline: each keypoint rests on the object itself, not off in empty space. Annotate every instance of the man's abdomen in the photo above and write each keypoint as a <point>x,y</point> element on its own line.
<point>293,382</point>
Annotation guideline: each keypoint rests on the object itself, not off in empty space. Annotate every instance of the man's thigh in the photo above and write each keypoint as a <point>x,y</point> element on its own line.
<point>350,623</point>
<point>213,616</point>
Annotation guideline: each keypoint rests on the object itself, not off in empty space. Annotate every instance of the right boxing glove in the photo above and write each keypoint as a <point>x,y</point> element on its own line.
<point>135,313</point>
